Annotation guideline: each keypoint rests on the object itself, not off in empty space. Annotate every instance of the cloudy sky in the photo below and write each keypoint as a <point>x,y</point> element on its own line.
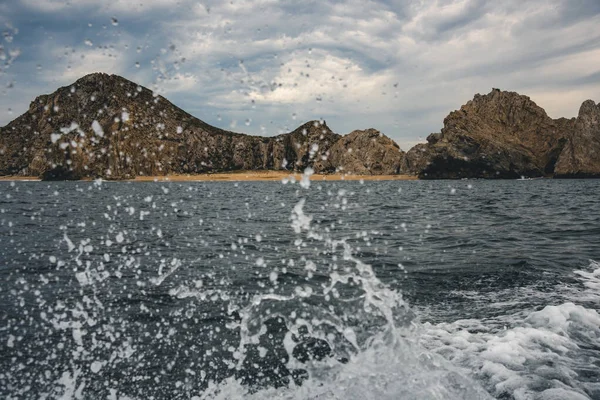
<point>266,66</point>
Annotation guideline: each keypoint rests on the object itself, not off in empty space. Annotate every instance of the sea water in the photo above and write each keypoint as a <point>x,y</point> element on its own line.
<point>322,290</point>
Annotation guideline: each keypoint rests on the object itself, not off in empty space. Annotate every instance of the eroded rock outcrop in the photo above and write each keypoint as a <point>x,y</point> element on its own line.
<point>498,135</point>
<point>366,152</point>
<point>308,145</point>
<point>107,126</point>
<point>580,157</point>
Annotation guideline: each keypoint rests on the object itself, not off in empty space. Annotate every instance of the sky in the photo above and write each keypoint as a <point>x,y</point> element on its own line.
<point>265,66</point>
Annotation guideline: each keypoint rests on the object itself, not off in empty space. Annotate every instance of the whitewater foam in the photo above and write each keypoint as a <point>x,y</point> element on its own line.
<point>546,354</point>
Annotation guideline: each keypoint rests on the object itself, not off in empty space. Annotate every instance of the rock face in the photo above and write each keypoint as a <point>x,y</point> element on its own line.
<point>367,152</point>
<point>498,135</point>
<point>106,126</point>
<point>306,146</point>
<point>580,157</point>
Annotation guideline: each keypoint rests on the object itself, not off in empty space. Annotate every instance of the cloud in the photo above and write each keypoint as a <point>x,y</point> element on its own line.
<point>434,21</point>
<point>84,62</point>
<point>118,6</point>
<point>177,83</point>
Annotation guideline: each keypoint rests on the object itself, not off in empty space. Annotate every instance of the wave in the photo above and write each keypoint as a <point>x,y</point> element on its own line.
<point>551,353</point>
<point>320,324</point>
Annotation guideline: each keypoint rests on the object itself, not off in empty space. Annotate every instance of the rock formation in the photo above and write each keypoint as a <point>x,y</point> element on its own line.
<point>106,126</point>
<point>367,152</point>
<point>580,157</point>
<point>498,135</point>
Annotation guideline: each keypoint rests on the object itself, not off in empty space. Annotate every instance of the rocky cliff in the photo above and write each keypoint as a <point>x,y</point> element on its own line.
<point>367,152</point>
<point>580,157</point>
<point>498,135</point>
<point>506,135</point>
<point>107,126</point>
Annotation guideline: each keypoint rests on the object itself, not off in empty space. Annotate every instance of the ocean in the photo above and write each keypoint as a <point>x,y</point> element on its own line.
<point>468,289</point>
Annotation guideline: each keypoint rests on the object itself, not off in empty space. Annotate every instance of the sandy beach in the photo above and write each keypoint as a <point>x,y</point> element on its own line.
<point>19,178</point>
<point>270,176</point>
<point>238,176</point>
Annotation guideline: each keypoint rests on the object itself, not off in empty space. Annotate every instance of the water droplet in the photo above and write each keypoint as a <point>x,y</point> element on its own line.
<point>96,366</point>
<point>137,64</point>
<point>7,36</point>
<point>120,237</point>
<point>114,21</point>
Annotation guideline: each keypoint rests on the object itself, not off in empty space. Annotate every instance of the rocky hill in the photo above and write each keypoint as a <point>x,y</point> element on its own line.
<point>506,135</point>
<point>580,157</point>
<point>498,135</point>
<point>364,153</point>
<point>107,126</point>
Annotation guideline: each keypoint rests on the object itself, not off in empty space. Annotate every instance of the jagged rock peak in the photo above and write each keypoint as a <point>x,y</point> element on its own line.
<point>497,135</point>
<point>95,88</point>
<point>581,156</point>
<point>313,128</point>
<point>365,152</point>
<point>97,80</point>
<point>101,79</point>
<point>589,108</point>
<point>96,76</point>
<point>510,107</point>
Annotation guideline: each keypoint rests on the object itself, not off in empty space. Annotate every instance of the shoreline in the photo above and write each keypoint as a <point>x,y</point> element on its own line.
<point>12,178</point>
<point>240,176</point>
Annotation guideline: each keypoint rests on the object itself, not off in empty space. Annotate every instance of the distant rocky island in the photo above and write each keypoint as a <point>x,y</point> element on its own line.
<point>105,126</point>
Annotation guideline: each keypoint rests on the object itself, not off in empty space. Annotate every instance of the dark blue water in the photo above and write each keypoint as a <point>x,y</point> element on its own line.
<point>437,289</point>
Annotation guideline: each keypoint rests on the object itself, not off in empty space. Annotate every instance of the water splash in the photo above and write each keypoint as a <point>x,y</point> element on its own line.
<point>367,348</point>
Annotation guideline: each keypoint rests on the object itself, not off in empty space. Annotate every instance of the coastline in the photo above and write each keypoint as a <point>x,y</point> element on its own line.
<point>242,176</point>
<point>10,178</point>
<point>257,176</point>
